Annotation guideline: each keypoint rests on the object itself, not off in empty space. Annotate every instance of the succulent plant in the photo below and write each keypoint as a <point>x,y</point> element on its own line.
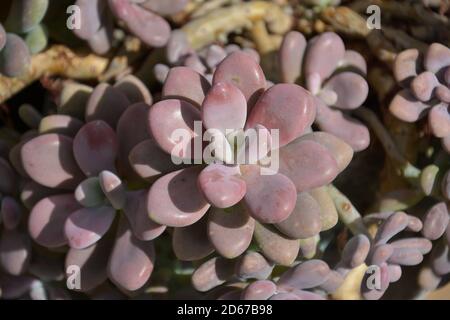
<point>215,203</point>
<point>426,82</point>
<point>80,184</point>
<point>334,76</point>
<point>22,35</point>
<point>390,256</point>
<point>179,53</point>
<point>138,16</point>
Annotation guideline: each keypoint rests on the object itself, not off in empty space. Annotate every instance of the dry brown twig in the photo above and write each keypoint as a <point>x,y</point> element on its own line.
<point>56,61</point>
<point>211,27</point>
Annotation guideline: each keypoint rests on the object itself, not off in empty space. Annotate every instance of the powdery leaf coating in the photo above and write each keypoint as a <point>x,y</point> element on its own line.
<point>269,198</point>
<point>291,56</point>
<point>47,219</point>
<point>244,72</point>
<point>252,265</point>
<point>380,254</point>
<point>139,21</point>
<point>351,90</point>
<point>134,89</point>
<point>15,252</point>
<point>406,257</point>
<point>33,192</point>
<point>435,221</point>
<point>73,98</point>
<point>113,189</point>
<point>421,244</point>
<point>286,107</point>
<point>342,126</point>
<point>323,56</point>
<point>95,148</point>
<point>354,60</point>
<point>406,66</point>
<point>89,193</point>
<point>177,47</point>
<point>441,260</point>
<point>405,107</point>
<point>60,124</point>
<point>224,108</point>
<point>167,116</point>
<point>106,103</point>
<point>221,185</point>
<point>185,83</point>
<point>212,273</point>
<point>175,200</point>
<point>308,164</point>
<point>131,262</point>
<point>395,273</point>
<point>214,55</point>
<point>86,226</point>
<point>15,57</point>
<point>328,213</point>
<point>423,85</point>
<point>396,223</point>
<point>135,209</point>
<point>130,136</point>
<point>101,41</point>
<point>439,120</point>
<point>91,261</point>
<point>307,275</point>
<point>275,246</point>
<point>443,93</point>
<point>437,57</point>
<point>191,243</point>
<point>341,151</point>
<point>48,160</point>
<point>259,290</point>
<point>355,251</point>
<point>148,160</point>
<point>230,231</point>
<point>304,221</point>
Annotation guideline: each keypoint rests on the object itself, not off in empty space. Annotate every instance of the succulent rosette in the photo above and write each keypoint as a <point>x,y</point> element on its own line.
<point>426,82</point>
<point>220,194</point>
<point>81,183</point>
<point>393,247</point>
<point>334,76</point>
<point>142,18</point>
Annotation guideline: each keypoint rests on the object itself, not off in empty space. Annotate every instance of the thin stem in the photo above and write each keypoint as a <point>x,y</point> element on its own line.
<point>347,212</point>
